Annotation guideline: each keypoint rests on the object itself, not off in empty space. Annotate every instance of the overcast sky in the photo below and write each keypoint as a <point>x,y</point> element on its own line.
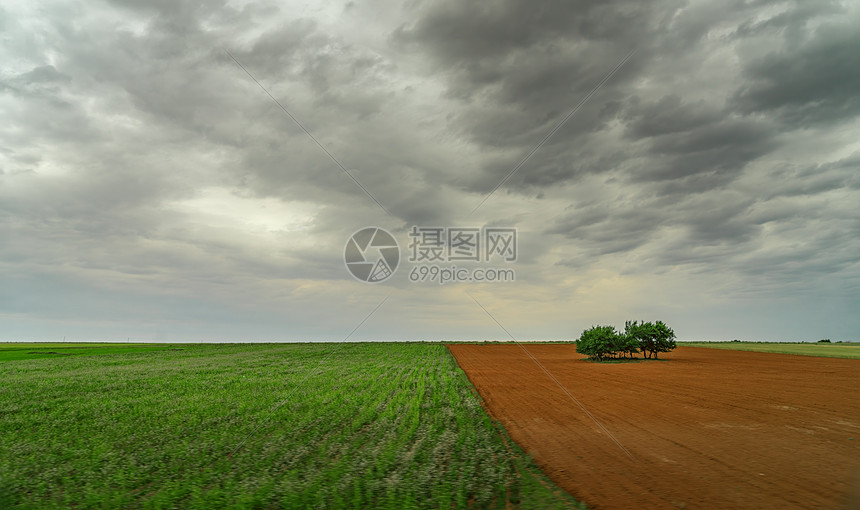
<point>151,190</point>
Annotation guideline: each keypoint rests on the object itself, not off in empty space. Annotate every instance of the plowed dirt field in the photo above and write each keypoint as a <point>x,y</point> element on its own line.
<point>704,428</point>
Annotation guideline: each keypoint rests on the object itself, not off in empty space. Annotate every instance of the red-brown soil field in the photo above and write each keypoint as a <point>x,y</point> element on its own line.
<point>704,428</point>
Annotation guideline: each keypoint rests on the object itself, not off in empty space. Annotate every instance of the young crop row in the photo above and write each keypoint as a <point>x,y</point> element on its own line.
<point>257,426</point>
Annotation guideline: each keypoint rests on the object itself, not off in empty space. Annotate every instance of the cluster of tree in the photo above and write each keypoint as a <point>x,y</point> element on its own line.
<point>604,342</point>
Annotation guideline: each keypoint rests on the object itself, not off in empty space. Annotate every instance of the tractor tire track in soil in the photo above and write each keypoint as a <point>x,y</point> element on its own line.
<point>706,428</point>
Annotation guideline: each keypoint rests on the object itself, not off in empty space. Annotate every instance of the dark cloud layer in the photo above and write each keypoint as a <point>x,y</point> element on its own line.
<point>146,179</point>
<point>802,86</point>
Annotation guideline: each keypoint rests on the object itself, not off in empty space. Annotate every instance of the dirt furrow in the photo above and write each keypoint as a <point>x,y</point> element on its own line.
<point>705,428</point>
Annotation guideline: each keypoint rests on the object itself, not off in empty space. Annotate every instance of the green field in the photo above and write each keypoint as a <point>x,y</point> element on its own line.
<point>253,426</point>
<point>844,350</point>
<point>20,351</point>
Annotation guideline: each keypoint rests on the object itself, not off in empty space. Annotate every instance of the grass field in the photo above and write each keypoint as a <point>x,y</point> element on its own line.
<point>844,350</point>
<point>156,426</point>
<point>21,351</point>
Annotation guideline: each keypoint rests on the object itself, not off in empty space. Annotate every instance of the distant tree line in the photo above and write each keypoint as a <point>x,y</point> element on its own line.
<point>604,342</point>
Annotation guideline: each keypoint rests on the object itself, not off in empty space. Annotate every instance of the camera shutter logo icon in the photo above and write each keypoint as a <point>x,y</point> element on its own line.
<point>371,255</point>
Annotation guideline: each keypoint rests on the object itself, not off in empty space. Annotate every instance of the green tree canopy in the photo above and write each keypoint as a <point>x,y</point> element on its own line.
<point>601,342</point>
<point>598,342</point>
<point>653,337</point>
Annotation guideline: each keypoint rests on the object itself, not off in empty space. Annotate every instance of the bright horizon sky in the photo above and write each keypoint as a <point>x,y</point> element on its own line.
<point>151,190</point>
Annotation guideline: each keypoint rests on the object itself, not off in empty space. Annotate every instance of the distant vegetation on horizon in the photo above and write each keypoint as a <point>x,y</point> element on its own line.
<point>828,350</point>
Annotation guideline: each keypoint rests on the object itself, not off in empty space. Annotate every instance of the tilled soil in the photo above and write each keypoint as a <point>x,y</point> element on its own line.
<point>702,428</point>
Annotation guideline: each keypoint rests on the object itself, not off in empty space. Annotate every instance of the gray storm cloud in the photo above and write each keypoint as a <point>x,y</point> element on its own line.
<point>150,188</point>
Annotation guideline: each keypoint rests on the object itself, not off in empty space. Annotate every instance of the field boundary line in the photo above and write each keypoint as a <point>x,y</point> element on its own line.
<point>556,381</point>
